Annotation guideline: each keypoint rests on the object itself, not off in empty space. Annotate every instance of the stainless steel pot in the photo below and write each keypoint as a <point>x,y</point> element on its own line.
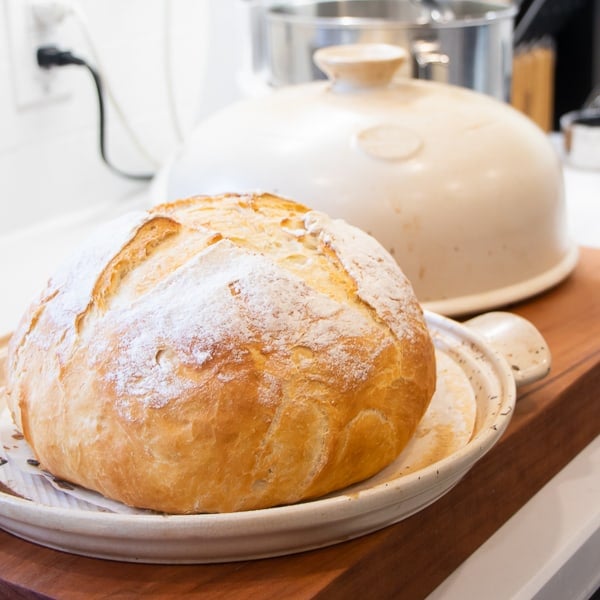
<point>459,42</point>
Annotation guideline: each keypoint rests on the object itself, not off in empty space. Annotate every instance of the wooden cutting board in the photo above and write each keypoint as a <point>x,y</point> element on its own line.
<point>554,420</point>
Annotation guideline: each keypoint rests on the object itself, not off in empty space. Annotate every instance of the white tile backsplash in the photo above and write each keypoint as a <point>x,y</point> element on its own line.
<point>49,163</point>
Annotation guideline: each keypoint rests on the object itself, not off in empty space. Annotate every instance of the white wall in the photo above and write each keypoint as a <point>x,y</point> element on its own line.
<point>49,163</point>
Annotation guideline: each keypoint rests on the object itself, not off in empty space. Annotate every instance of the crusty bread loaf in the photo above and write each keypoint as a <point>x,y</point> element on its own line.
<point>221,354</point>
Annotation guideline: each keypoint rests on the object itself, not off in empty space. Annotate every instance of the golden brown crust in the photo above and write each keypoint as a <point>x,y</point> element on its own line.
<point>219,354</point>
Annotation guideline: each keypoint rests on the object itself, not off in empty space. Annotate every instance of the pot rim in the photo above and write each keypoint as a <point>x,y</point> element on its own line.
<point>284,13</point>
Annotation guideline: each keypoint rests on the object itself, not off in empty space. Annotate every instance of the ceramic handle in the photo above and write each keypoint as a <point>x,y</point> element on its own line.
<point>359,66</point>
<point>515,338</point>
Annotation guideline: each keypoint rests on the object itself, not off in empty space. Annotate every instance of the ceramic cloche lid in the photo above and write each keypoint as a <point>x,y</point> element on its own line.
<point>464,191</point>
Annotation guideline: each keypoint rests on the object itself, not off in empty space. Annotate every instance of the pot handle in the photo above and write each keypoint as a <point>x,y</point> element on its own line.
<point>428,62</point>
<point>515,338</point>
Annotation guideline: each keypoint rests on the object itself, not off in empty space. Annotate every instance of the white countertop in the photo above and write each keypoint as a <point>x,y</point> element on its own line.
<point>550,549</point>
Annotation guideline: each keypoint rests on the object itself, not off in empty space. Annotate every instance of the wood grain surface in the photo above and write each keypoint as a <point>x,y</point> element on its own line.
<point>554,420</point>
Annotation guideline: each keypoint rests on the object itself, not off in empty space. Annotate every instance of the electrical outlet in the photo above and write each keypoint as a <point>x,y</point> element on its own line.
<point>32,85</point>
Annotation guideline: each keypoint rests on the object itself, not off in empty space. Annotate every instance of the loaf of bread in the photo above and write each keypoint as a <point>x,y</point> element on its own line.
<point>219,354</point>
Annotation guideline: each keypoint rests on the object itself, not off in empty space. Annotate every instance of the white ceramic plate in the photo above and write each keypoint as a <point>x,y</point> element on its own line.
<point>475,400</point>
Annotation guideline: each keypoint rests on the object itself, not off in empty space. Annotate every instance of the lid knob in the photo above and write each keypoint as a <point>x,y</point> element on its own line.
<point>358,66</point>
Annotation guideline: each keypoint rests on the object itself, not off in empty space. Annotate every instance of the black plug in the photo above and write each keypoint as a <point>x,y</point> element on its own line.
<point>51,56</point>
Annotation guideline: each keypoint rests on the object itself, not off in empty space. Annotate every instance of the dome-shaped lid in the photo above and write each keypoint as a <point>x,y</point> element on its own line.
<point>463,190</point>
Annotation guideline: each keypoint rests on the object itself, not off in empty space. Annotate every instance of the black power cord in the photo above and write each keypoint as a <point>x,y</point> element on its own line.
<point>51,56</point>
